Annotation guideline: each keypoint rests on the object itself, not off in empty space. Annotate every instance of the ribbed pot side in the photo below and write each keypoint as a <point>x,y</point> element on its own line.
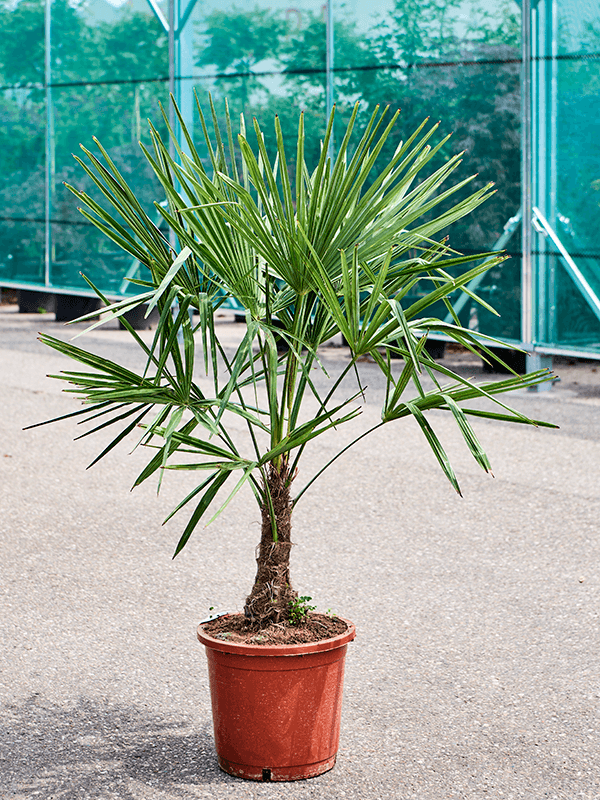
<point>276,709</point>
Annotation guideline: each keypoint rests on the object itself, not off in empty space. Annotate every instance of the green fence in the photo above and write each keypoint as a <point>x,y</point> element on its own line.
<point>516,83</point>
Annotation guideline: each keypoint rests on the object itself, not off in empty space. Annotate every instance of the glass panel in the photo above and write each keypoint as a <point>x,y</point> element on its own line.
<point>116,116</point>
<point>22,243</point>
<point>109,70</point>
<point>268,59</point>
<point>578,26</point>
<point>406,33</point>
<point>572,316</point>
<point>22,136</point>
<point>107,42</point>
<point>458,63</point>
<point>576,325</point>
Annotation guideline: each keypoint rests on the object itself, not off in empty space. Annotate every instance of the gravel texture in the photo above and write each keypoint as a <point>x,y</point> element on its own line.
<point>474,673</point>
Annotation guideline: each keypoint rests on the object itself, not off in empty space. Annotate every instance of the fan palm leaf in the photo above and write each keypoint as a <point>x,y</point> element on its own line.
<point>339,250</point>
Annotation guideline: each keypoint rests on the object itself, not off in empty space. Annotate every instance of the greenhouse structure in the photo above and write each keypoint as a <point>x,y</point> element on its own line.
<point>517,84</point>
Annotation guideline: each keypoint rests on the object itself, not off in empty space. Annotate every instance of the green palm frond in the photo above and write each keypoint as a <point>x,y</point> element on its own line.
<point>339,250</point>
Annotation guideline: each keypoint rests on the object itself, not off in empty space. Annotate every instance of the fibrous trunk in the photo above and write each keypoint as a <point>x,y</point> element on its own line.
<point>269,600</point>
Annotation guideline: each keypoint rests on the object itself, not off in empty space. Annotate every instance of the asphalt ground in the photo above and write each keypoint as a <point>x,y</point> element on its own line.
<point>475,672</point>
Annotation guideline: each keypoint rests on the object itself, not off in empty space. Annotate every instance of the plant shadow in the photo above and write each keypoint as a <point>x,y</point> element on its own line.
<point>99,750</point>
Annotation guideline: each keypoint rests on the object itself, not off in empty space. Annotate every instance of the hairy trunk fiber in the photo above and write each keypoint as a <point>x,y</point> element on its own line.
<point>269,600</point>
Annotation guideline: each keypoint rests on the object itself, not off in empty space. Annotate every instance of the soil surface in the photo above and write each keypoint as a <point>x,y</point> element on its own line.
<point>233,628</point>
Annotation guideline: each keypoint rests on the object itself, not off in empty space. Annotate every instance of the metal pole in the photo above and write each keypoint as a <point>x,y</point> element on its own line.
<point>527,288</point>
<point>553,109</point>
<point>184,50</point>
<point>552,33</point>
<point>172,70</point>
<point>529,281</point>
<point>48,144</point>
<point>172,67</point>
<point>329,64</point>
<point>159,15</point>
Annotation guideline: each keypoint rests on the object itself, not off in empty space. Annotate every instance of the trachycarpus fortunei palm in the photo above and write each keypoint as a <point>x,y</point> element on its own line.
<point>343,249</point>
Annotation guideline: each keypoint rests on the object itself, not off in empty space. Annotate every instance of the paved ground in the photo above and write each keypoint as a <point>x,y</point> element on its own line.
<point>475,670</point>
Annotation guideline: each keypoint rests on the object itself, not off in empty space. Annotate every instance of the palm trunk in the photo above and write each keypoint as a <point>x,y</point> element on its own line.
<point>269,600</point>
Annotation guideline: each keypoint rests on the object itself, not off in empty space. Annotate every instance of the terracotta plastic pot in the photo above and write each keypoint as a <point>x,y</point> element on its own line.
<point>276,709</point>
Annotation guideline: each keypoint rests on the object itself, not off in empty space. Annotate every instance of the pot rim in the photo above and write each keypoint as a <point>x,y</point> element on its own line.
<point>277,649</point>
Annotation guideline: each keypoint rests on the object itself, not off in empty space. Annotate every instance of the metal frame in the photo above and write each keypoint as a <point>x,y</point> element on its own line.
<point>539,188</point>
<point>539,214</point>
<point>545,252</point>
<point>49,143</point>
<point>329,67</point>
<point>181,62</point>
<point>527,333</point>
<point>543,105</point>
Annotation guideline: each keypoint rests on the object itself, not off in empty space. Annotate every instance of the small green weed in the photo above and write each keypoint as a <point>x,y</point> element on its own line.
<point>299,609</point>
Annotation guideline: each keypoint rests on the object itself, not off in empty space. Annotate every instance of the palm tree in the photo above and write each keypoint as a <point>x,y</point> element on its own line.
<point>335,251</point>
